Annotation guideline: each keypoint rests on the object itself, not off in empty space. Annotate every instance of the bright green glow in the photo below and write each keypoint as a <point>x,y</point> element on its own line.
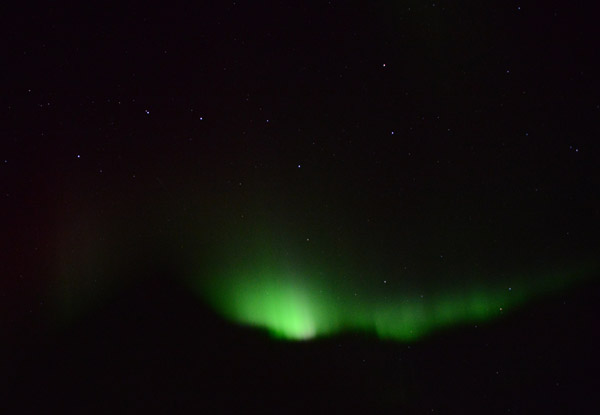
<point>286,310</point>
<point>286,307</point>
<point>292,306</point>
<point>298,294</point>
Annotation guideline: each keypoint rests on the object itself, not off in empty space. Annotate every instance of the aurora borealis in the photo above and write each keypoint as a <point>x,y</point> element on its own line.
<point>293,306</point>
<point>291,206</point>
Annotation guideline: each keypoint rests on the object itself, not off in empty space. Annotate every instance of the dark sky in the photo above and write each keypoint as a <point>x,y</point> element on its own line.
<point>435,145</point>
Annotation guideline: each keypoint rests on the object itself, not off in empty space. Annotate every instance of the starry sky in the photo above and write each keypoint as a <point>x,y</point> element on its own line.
<point>387,171</point>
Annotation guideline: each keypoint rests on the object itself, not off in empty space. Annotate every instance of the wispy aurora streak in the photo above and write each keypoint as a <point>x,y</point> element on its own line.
<point>292,306</point>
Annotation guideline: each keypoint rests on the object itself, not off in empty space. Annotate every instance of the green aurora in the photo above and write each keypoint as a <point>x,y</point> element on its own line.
<point>295,310</point>
<point>271,277</point>
<point>293,302</point>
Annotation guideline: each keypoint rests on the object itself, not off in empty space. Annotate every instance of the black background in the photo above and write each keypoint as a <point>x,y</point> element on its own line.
<point>125,124</point>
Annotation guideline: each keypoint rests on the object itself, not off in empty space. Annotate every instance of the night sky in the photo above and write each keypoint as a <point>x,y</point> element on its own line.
<point>315,206</point>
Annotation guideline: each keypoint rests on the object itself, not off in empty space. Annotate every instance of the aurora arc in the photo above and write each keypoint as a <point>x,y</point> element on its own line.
<point>292,306</point>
